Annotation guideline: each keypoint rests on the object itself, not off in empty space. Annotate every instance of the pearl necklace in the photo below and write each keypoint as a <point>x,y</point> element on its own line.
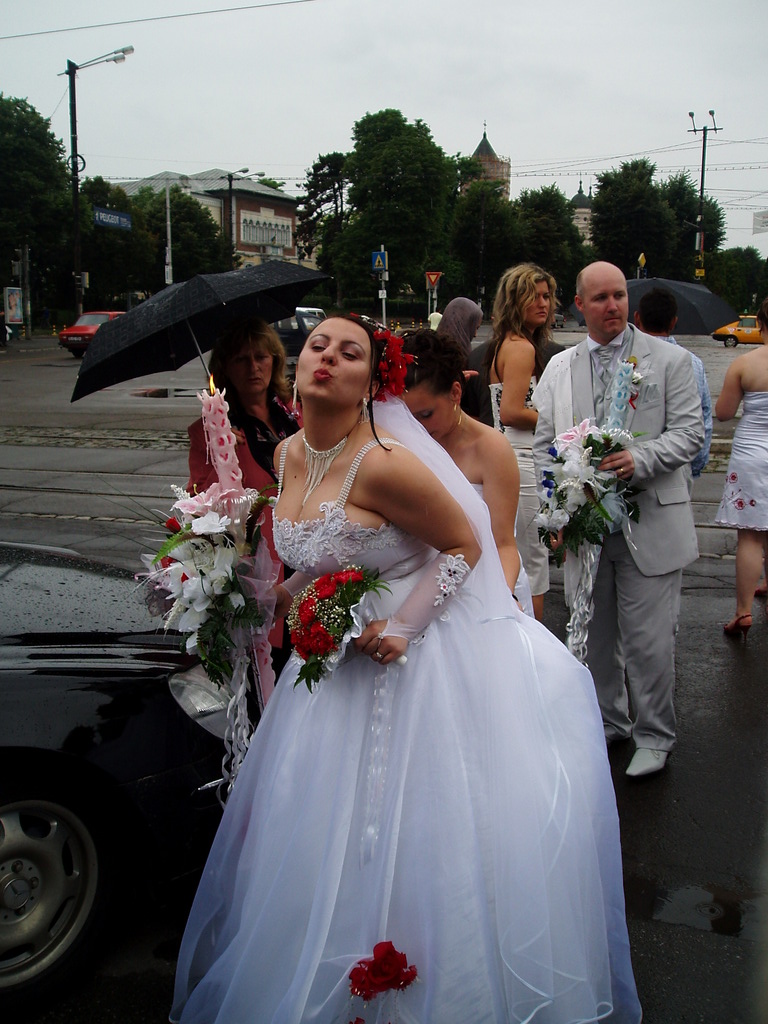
<point>318,463</point>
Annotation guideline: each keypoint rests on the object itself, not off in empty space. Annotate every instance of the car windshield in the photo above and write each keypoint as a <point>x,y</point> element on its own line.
<point>92,318</point>
<point>42,592</point>
<point>310,321</point>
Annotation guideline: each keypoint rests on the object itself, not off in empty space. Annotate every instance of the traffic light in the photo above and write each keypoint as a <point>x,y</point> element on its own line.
<point>16,264</point>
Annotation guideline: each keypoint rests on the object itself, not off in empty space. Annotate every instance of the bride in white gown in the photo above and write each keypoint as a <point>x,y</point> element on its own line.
<point>459,804</point>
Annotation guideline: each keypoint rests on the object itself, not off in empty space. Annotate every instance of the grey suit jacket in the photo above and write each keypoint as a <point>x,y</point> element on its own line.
<point>667,419</point>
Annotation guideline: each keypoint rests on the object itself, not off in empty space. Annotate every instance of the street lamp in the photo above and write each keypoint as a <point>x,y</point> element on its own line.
<point>700,218</point>
<point>232,220</point>
<point>77,163</point>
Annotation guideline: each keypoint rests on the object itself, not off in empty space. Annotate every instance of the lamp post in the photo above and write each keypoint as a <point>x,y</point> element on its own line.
<point>77,163</point>
<point>700,218</point>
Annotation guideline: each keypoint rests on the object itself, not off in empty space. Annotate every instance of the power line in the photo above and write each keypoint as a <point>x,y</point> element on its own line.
<point>160,17</point>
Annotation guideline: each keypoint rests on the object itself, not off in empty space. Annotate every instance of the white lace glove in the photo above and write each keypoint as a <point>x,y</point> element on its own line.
<point>296,582</point>
<point>439,582</point>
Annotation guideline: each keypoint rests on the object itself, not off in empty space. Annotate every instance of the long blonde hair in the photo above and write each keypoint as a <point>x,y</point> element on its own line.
<point>514,294</point>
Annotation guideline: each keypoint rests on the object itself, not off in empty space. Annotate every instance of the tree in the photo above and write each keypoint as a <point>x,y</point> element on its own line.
<point>35,200</point>
<point>322,211</point>
<point>549,236</point>
<point>198,245</point>
<point>740,276</point>
<point>485,240</point>
<point>630,217</point>
<point>117,261</point>
<point>680,194</point>
<point>400,185</point>
<point>272,183</point>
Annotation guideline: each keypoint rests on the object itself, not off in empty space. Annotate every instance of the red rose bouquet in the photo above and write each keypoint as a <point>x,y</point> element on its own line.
<point>325,615</point>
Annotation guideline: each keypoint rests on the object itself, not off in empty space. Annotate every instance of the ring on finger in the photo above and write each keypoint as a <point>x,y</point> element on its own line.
<point>378,654</point>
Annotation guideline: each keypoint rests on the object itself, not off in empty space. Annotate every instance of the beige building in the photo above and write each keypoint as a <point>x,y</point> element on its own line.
<point>582,212</point>
<point>261,220</point>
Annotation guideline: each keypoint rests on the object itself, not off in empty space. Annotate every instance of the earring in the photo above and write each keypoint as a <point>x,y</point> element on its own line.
<point>295,392</point>
<point>365,412</point>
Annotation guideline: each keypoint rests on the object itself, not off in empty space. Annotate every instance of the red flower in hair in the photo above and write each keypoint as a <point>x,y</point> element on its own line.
<point>393,365</point>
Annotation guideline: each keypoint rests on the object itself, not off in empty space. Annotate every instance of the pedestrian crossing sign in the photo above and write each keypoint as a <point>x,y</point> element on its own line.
<point>379,261</point>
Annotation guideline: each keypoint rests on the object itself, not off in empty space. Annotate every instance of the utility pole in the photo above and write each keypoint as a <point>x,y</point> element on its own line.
<point>700,218</point>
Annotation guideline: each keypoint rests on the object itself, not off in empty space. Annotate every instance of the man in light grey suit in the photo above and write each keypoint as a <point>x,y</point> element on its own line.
<point>639,576</point>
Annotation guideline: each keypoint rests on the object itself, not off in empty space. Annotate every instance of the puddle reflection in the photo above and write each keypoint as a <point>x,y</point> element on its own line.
<point>713,910</point>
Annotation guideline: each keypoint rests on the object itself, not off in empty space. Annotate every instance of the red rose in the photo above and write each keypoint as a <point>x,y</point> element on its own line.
<point>307,611</point>
<point>325,587</point>
<point>349,576</point>
<point>359,984</point>
<point>386,969</point>
<point>173,524</point>
<point>320,640</point>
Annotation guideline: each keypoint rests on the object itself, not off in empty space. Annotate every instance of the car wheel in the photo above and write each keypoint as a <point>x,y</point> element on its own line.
<point>730,341</point>
<point>55,886</point>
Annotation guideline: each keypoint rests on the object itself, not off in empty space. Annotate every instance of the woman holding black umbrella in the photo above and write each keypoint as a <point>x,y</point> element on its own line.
<point>248,362</point>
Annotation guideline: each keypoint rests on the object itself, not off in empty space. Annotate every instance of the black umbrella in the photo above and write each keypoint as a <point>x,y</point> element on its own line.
<point>699,311</point>
<point>185,319</point>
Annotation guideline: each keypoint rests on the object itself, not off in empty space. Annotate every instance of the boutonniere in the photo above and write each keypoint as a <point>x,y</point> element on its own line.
<point>636,380</point>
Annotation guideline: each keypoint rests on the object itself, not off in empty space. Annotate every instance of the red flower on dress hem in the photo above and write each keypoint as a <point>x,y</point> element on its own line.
<point>386,969</point>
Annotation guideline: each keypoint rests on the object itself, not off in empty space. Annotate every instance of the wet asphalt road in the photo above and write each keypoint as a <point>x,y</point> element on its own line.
<point>90,476</point>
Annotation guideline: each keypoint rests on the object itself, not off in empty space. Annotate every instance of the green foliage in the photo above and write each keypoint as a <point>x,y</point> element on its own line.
<point>321,212</point>
<point>117,261</point>
<point>215,643</point>
<point>485,240</point>
<point>740,276</point>
<point>682,197</point>
<point>630,217</point>
<point>549,236</point>
<point>400,185</point>
<point>35,200</point>
<point>198,245</point>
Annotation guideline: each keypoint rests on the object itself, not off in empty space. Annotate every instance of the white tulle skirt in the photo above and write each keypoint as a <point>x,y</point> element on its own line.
<point>460,806</point>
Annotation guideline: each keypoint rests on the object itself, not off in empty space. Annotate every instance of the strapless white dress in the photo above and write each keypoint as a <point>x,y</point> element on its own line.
<point>745,497</point>
<point>460,806</point>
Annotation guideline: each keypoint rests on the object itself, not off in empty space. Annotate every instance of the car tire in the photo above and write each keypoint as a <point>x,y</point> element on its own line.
<point>56,885</point>
<point>730,341</point>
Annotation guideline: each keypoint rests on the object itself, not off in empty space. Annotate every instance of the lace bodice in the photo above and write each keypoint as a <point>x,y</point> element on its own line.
<point>321,545</point>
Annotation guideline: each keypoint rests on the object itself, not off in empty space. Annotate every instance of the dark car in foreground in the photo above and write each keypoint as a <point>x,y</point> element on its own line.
<point>107,787</point>
<point>294,331</point>
<point>78,337</point>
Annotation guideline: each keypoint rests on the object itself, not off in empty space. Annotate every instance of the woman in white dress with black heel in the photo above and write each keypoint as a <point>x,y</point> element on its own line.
<point>457,804</point>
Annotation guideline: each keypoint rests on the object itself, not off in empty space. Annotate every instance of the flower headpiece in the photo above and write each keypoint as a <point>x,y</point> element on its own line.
<point>393,365</point>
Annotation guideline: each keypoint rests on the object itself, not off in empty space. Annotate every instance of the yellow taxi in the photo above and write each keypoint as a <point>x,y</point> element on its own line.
<point>743,331</point>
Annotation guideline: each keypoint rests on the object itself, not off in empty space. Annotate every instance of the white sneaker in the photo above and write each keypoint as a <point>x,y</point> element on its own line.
<point>646,761</point>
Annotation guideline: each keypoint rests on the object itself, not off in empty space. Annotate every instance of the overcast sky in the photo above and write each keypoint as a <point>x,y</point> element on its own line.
<point>567,89</point>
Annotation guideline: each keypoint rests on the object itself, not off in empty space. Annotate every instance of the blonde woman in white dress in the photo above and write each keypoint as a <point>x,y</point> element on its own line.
<point>522,317</point>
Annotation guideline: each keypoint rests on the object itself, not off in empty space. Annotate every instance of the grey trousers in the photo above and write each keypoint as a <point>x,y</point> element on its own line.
<point>631,648</point>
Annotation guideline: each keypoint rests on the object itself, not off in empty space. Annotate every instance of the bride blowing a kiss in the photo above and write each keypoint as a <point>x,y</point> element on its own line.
<point>445,789</point>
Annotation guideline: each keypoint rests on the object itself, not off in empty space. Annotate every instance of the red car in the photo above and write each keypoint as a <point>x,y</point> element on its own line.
<point>78,337</point>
